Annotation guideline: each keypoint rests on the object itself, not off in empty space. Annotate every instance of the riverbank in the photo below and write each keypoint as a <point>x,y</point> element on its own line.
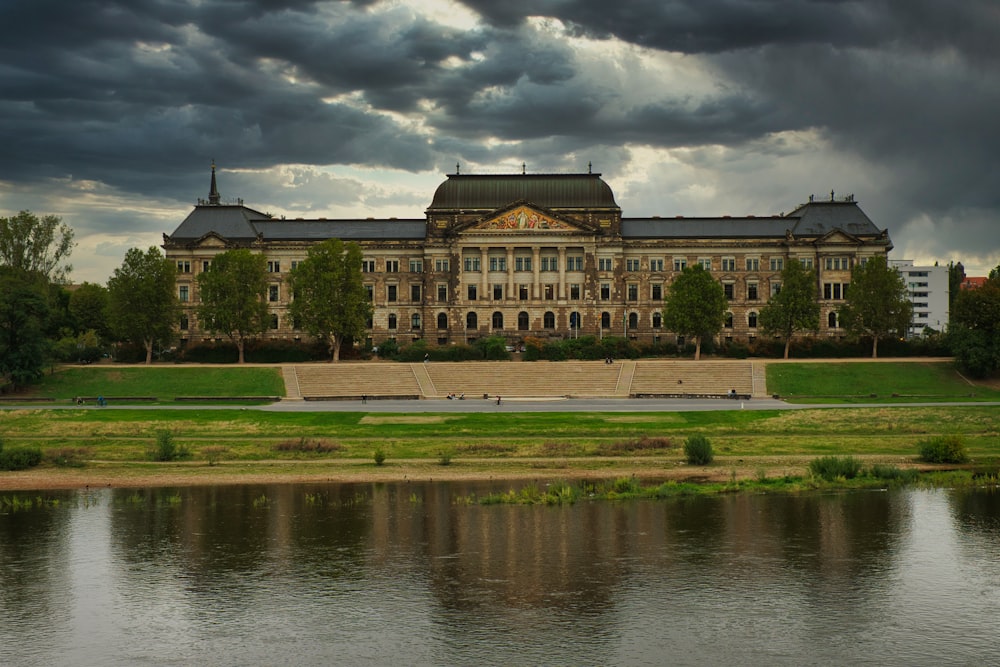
<point>645,470</point>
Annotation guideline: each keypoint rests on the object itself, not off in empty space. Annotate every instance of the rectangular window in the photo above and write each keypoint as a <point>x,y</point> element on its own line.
<point>775,288</point>
<point>574,292</point>
<point>680,263</point>
<point>752,292</point>
<point>272,293</point>
<point>605,264</point>
<point>550,292</point>
<point>370,292</point>
<point>205,265</point>
<point>605,291</point>
<point>728,288</point>
<point>777,263</point>
<point>656,264</point>
<point>632,265</point>
<point>753,264</point>
<point>442,291</point>
<point>728,263</point>
<point>574,263</point>
<point>706,263</point>
<point>415,293</point>
<point>522,292</point>
<point>416,266</point>
<point>391,292</point>
<point>550,263</point>
<point>392,266</point>
<point>183,293</point>
<point>274,266</point>
<point>657,292</point>
<point>184,323</point>
<point>367,266</point>
<point>806,262</point>
<point>633,292</point>
<point>472,292</point>
<point>471,263</point>
<point>522,264</point>
<point>837,264</point>
<point>442,265</point>
<point>498,292</point>
<point>185,266</point>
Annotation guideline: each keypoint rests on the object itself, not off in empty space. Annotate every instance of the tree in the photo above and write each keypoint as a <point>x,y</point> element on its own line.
<point>23,315</point>
<point>876,303</point>
<point>329,298</point>
<point>794,308</point>
<point>36,245</point>
<point>233,293</point>
<point>695,306</point>
<point>88,304</point>
<point>974,333</point>
<point>142,301</point>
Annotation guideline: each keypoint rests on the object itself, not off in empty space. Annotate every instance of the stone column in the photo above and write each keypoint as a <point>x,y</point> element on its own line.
<point>484,277</point>
<point>562,273</point>
<point>536,267</point>
<point>510,273</point>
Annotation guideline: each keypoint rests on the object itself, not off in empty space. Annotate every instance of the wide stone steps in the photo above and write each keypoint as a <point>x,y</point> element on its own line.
<point>622,378</point>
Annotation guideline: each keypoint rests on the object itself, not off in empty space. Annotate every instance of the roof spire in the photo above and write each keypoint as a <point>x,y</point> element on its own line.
<point>523,168</point>
<point>213,192</point>
<point>590,167</point>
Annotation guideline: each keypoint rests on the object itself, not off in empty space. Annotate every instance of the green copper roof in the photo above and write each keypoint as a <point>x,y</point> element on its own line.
<point>490,192</point>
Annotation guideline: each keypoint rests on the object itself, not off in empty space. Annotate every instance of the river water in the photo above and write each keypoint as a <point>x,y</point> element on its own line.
<point>411,574</point>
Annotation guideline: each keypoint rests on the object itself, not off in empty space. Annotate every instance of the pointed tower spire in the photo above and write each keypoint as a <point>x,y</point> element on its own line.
<point>213,192</point>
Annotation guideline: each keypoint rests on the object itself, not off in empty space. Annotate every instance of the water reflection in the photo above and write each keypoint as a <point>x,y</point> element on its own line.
<point>410,574</point>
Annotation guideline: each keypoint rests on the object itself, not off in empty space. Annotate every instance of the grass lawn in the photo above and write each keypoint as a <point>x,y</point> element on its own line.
<point>164,383</point>
<point>860,381</point>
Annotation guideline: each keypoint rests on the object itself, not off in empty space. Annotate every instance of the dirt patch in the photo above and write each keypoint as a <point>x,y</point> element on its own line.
<point>405,419</point>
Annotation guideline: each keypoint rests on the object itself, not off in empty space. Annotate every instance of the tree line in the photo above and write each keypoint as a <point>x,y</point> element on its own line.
<point>41,321</point>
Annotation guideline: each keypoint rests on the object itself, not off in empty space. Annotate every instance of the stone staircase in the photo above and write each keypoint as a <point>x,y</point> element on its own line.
<point>437,379</point>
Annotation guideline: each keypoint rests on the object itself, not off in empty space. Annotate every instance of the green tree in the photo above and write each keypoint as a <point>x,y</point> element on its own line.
<point>24,312</point>
<point>956,275</point>
<point>36,245</point>
<point>974,333</point>
<point>142,299</point>
<point>794,308</point>
<point>876,302</point>
<point>233,297</point>
<point>329,298</point>
<point>88,304</point>
<point>695,306</point>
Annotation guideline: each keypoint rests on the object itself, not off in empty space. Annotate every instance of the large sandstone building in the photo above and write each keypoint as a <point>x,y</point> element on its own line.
<point>545,255</point>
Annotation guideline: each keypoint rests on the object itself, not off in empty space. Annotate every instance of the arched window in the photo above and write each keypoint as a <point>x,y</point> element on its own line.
<point>522,321</point>
<point>549,321</point>
<point>752,320</point>
<point>392,320</point>
<point>729,321</point>
<point>657,320</point>
<point>605,320</point>
<point>832,320</point>
<point>415,321</point>
<point>471,321</point>
<point>442,321</point>
<point>498,320</point>
<point>633,320</point>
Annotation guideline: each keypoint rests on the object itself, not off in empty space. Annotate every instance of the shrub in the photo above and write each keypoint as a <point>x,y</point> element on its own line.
<point>698,450</point>
<point>444,459</point>
<point>20,459</point>
<point>944,449</point>
<point>166,448</point>
<point>379,456</point>
<point>893,473</point>
<point>835,467</point>
<point>213,454</point>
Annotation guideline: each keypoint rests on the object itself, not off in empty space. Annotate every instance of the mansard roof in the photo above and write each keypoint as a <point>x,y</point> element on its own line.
<point>493,191</point>
<point>231,222</point>
<point>818,218</point>
<point>701,228</point>
<point>346,230</point>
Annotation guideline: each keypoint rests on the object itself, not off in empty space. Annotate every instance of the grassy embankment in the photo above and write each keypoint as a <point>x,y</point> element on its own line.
<point>113,446</point>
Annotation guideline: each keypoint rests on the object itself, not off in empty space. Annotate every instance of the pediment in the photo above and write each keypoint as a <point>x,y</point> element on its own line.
<point>838,237</point>
<point>211,240</point>
<point>523,218</point>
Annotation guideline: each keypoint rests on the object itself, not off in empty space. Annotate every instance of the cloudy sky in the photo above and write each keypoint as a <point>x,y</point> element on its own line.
<point>111,112</point>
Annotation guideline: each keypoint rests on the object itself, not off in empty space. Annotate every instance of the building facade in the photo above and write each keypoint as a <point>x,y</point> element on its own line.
<point>927,289</point>
<point>543,255</point>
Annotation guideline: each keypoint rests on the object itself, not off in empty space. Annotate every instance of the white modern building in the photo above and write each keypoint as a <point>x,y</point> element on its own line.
<point>927,287</point>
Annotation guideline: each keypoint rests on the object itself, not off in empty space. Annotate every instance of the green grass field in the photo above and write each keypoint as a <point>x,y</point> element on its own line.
<point>861,381</point>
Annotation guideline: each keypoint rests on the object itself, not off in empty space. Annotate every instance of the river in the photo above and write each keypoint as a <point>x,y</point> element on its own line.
<point>413,574</point>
